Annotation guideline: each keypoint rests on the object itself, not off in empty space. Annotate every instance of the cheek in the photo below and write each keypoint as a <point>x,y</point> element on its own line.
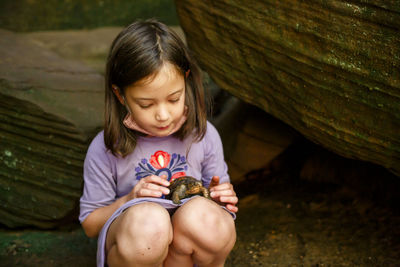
<point>180,108</point>
<point>140,115</point>
<point>183,101</point>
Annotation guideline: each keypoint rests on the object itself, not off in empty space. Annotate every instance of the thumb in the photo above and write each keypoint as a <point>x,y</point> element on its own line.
<point>214,182</point>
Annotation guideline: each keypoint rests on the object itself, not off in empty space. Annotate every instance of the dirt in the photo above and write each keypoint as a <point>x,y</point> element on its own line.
<point>306,224</point>
<point>281,222</point>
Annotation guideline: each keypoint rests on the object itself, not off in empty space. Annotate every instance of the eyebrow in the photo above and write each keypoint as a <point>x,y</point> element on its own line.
<point>171,94</point>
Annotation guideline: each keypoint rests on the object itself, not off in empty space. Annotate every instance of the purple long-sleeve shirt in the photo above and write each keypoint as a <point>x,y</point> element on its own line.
<point>107,177</point>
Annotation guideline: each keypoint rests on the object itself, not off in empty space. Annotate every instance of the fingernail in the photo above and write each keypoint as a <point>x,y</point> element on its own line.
<point>212,194</point>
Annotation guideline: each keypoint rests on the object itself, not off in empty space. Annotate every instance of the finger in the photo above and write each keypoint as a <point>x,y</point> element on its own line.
<point>232,208</point>
<point>224,186</point>
<point>214,181</point>
<point>156,179</point>
<point>220,193</point>
<point>223,200</point>
<point>231,200</point>
<point>144,192</point>
<point>156,187</point>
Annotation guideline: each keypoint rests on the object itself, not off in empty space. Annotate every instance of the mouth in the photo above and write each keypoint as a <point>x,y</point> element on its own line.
<point>163,128</point>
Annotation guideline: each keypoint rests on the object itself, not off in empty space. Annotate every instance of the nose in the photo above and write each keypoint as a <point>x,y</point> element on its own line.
<point>162,113</point>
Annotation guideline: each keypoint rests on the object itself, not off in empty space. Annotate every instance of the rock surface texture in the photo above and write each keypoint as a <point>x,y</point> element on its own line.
<point>329,69</point>
<point>50,108</point>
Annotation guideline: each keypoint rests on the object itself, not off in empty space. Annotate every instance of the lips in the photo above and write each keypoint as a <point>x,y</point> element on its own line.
<point>163,128</point>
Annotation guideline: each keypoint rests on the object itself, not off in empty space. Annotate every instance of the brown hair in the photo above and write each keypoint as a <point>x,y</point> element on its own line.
<point>139,51</point>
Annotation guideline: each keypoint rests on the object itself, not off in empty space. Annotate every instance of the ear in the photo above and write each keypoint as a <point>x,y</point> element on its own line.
<point>117,93</point>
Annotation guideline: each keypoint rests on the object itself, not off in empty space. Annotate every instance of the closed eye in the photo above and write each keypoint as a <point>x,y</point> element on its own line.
<point>145,106</point>
<point>174,100</point>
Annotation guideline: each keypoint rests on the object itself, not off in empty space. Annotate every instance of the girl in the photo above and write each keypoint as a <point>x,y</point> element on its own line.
<point>155,131</point>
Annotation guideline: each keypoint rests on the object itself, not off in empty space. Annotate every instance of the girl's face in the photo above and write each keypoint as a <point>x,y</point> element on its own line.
<point>157,103</point>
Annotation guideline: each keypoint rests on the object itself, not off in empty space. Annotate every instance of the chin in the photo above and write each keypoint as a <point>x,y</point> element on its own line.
<point>161,133</point>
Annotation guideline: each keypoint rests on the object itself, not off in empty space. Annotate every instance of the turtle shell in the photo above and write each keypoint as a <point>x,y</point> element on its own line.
<point>186,180</point>
<point>184,187</point>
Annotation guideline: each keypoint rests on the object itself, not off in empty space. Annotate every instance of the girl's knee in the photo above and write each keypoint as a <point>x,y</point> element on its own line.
<point>146,216</point>
<point>145,232</point>
<point>206,223</point>
<point>205,214</point>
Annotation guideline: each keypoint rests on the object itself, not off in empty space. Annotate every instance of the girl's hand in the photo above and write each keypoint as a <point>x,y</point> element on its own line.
<point>151,186</point>
<point>223,193</point>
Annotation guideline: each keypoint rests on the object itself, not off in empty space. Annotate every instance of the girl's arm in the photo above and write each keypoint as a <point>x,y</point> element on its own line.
<point>215,171</point>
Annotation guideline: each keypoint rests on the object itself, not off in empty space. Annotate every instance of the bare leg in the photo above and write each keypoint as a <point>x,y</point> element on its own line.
<point>140,236</point>
<point>204,234</point>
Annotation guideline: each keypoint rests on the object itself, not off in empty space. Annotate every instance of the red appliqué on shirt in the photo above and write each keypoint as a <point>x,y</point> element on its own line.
<point>160,163</point>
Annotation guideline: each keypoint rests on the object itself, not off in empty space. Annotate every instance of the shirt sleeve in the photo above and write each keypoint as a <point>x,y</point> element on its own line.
<point>99,188</point>
<point>213,163</point>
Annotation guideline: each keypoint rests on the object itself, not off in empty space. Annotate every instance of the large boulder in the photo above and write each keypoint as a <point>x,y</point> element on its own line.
<point>330,69</point>
<point>50,110</point>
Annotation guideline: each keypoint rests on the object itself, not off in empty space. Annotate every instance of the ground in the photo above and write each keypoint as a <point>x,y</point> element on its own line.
<point>283,221</point>
<point>307,224</point>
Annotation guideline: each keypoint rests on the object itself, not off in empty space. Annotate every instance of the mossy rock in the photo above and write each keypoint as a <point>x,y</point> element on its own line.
<point>50,109</point>
<point>329,69</point>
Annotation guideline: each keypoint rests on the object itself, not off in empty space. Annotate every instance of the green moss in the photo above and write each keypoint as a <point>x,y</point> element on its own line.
<point>9,160</point>
<point>33,15</point>
<point>41,243</point>
<point>7,153</point>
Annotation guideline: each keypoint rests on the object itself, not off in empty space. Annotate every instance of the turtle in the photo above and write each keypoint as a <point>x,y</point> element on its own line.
<point>184,187</point>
